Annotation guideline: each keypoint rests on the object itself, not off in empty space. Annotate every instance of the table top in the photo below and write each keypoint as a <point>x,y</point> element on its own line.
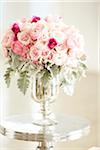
<point>20,127</point>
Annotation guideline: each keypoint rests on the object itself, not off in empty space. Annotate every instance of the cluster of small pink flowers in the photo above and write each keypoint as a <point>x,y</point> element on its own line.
<point>44,40</point>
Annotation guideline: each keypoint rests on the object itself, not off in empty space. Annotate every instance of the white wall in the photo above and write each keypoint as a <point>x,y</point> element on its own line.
<point>85,17</point>
<point>99,79</point>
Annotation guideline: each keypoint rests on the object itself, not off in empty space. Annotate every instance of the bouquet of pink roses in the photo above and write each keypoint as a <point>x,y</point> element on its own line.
<point>47,46</point>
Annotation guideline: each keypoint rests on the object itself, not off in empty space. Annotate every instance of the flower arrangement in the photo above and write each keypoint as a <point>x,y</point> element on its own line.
<point>47,46</point>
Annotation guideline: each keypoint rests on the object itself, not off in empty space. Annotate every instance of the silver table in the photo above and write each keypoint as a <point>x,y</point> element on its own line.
<point>20,127</point>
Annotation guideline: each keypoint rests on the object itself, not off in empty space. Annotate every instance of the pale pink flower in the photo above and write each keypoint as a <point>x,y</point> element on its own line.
<point>5,52</point>
<point>45,52</point>
<point>34,34</point>
<point>39,26</point>
<point>74,38</point>
<point>36,62</point>
<point>40,45</point>
<point>24,38</point>
<point>71,43</point>
<point>26,26</point>
<point>18,48</point>
<point>8,39</point>
<point>36,30</point>
<point>51,19</point>
<point>51,56</point>
<point>24,20</point>
<point>44,35</point>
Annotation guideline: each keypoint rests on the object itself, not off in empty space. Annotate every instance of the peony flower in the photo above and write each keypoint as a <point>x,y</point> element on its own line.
<point>15,28</point>
<point>24,38</point>
<point>52,43</point>
<point>35,19</point>
<point>8,39</point>
<point>74,40</point>
<point>71,43</point>
<point>18,48</point>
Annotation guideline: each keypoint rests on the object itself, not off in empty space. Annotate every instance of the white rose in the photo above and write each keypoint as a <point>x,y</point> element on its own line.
<point>60,58</point>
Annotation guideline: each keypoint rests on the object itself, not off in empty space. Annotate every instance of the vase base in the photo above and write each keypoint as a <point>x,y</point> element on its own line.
<point>45,122</point>
<point>49,120</point>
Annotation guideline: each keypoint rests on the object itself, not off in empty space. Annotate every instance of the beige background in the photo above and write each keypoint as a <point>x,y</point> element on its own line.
<point>86,100</point>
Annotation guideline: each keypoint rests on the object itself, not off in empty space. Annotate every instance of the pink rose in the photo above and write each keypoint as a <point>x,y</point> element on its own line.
<point>39,26</point>
<point>34,35</point>
<point>36,62</point>
<point>24,38</point>
<point>15,28</point>
<point>8,39</point>
<point>52,55</point>
<point>52,43</point>
<point>35,32</point>
<point>19,49</point>
<point>35,19</point>
<point>45,53</point>
<point>35,53</point>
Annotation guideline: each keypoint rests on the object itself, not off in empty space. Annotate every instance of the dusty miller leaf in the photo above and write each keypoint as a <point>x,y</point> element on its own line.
<point>23,82</point>
<point>7,76</point>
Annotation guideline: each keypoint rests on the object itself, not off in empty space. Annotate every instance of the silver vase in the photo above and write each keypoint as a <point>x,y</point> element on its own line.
<point>44,93</point>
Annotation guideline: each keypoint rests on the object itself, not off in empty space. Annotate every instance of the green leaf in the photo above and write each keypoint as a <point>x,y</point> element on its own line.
<point>15,61</point>
<point>7,76</point>
<point>23,82</point>
<point>32,69</point>
<point>46,76</point>
<point>55,69</point>
<point>84,66</point>
<point>74,73</point>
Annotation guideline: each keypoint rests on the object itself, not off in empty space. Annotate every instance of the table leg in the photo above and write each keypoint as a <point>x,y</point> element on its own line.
<point>44,146</point>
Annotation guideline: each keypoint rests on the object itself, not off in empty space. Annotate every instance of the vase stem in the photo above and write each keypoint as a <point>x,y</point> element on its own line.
<point>45,109</point>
